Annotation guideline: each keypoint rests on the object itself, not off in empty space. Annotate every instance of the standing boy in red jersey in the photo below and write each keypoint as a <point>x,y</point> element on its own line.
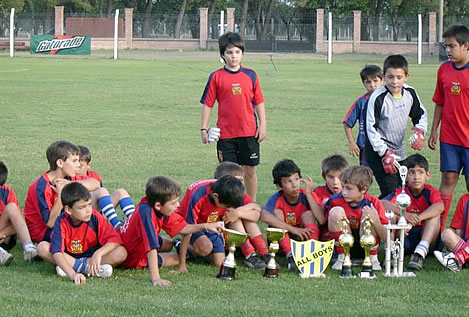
<point>423,213</point>
<point>239,96</point>
<point>12,223</point>
<point>293,208</point>
<point>456,238</point>
<point>82,241</point>
<point>355,204</point>
<point>451,100</point>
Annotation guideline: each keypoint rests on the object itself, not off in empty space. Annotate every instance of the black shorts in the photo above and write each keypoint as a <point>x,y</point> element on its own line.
<point>244,151</point>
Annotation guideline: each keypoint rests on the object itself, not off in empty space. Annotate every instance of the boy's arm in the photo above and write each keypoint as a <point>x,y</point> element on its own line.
<point>216,227</point>
<point>261,132</point>
<point>152,257</point>
<point>250,212</point>
<point>274,222</point>
<point>206,111</point>
<point>182,268</point>
<point>353,148</point>
<point>435,123</point>
<point>377,225</point>
<point>95,261</point>
<point>435,210</point>
<point>60,260</point>
<point>315,208</point>
<point>90,183</point>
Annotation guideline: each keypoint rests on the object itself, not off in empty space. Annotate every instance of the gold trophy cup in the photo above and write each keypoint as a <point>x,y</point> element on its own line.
<point>346,242</point>
<point>367,241</point>
<point>274,235</point>
<point>234,239</point>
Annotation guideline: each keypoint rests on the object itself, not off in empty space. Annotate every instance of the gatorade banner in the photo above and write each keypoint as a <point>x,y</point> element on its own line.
<point>312,257</point>
<point>61,44</point>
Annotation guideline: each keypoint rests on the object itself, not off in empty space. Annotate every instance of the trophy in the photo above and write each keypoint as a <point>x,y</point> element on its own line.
<point>403,200</point>
<point>274,235</point>
<point>367,241</point>
<point>233,239</point>
<point>346,242</point>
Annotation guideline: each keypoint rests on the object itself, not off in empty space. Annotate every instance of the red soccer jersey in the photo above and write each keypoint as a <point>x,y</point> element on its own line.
<point>419,203</point>
<point>202,208</point>
<point>140,233</point>
<point>461,216</point>
<point>323,193</point>
<point>237,94</point>
<point>452,92</point>
<point>291,211</point>
<point>7,195</point>
<point>184,204</point>
<point>354,214</point>
<point>84,239</point>
<point>95,175</point>
<point>39,201</point>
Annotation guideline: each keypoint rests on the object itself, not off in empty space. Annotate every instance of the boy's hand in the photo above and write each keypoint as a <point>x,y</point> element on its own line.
<point>353,149</point>
<point>216,227</point>
<point>93,264</point>
<point>308,181</point>
<point>390,160</point>
<point>213,134</point>
<point>302,233</point>
<point>371,210</point>
<point>261,133</point>
<point>413,219</point>
<point>231,215</point>
<point>179,270</point>
<point>204,136</point>
<point>432,140</point>
<point>78,279</point>
<point>160,282</point>
<point>417,139</point>
<point>58,184</point>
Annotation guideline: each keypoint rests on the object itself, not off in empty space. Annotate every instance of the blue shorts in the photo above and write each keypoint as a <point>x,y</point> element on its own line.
<point>412,240</point>
<point>454,158</point>
<point>215,238</point>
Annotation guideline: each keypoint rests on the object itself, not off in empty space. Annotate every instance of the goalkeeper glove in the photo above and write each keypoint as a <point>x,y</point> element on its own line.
<point>213,134</point>
<point>417,139</point>
<point>390,162</point>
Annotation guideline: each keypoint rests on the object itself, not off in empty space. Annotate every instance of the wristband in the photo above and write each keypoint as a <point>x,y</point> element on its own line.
<point>203,129</point>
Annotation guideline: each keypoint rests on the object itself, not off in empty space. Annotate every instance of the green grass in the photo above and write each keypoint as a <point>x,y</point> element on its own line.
<point>140,116</point>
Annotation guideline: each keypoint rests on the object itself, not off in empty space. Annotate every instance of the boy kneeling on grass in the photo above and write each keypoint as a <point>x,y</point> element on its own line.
<point>82,241</point>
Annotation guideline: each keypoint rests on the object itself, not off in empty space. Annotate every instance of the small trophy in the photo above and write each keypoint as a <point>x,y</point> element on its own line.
<point>274,235</point>
<point>403,200</point>
<point>367,241</point>
<point>346,242</point>
<point>234,239</point>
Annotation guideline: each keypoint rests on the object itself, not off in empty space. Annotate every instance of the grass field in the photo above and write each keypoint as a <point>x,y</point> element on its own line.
<point>140,116</point>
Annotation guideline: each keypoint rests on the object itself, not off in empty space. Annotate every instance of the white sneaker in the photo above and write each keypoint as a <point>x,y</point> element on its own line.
<point>337,266</point>
<point>5,257</point>
<point>448,260</point>
<point>375,262</point>
<point>60,272</point>
<point>30,253</point>
<point>104,271</point>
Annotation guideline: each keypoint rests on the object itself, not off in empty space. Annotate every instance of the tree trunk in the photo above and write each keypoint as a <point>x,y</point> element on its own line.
<point>101,5</point>
<point>268,16</point>
<point>147,19</point>
<point>211,21</point>
<point>376,7</point>
<point>177,28</point>
<point>244,17</point>
<point>109,8</point>
<point>48,21</point>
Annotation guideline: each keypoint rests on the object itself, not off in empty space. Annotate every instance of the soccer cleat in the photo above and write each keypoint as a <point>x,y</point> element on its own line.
<point>254,261</point>
<point>337,266</point>
<point>104,271</point>
<point>291,265</point>
<point>375,262</point>
<point>5,257</point>
<point>60,272</point>
<point>30,253</point>
<point>448,260</point>
<point>416,262</point>
<point>266,257</point>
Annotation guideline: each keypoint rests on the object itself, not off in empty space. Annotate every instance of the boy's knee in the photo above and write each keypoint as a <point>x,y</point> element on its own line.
<point>120,193</point>
<point>43,249</point>
<point>203,248</point>
<point>447,236</point>
<point>120,254</point>
<point>335,216</point>
<point>249,171</point>
<point>11,210</point>
<point>307,218</point>
<point>101,192</point>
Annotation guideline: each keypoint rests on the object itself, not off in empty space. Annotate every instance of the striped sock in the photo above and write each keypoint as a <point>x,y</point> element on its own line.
<point>80,265</point>
<point>422,248</point>
<point>458,246</point>
<point>108,210</point>
<point>247,249</point>
<point>127,206</point>
<point>285,245</point>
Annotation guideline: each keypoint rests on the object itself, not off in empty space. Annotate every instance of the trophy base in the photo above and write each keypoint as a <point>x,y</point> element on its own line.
<point>404,274</point>
<point>272,273</point>
<point>304,276</point>
<point>226,273</point>
<point>367,272</point>
<point>347,272</point>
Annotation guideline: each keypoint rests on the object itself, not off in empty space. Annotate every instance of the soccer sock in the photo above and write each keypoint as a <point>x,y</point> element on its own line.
<point>260,245</point>
<point>27,245</point>
<point>80,265</point>
<point>335,235</point>
<point>463,254</point>
<point>447,199</point>
<point>247,249</point>
<point>315,231</point>
<point>422,248</point>
<point>285,245</point>
<point>108,210</point>
<point>458,246</point>
<point>127,206</point>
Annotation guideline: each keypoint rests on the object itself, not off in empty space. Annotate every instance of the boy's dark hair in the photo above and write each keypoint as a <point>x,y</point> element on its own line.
<point>396,61</point>
<point>73,192</point>
<point>3,173</point>
<point>60,150</point>
<point>85,154</point>
<point>371,71</point>
<point>416,160</point>
<point>284,168</point>
<point>334,162</point>
<point>230,38</point>
<point>357,175</point>
<point>459,32</point>
<point>228,168</point>
<point>161,189</point>
<point>230,191</point>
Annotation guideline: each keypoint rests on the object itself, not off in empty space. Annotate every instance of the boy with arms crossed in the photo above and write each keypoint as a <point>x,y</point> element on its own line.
<point>451,100</point>
<point>239,96</point>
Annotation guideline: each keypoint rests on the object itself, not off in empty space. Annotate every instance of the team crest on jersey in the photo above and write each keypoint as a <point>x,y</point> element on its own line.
<point>291,219</point>
<point>456,88</point>
<point>354,223</point>
<point>213,217</point>
<point>76,246</point>
<point>312,257</point>
<point>236,89</point>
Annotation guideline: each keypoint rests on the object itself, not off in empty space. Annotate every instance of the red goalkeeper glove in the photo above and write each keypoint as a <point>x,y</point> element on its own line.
<point>390,162</point>
<point>417,139</point>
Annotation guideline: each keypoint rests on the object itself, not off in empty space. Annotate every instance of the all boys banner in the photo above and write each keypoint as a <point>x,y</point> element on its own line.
<point>312,257</point>
<point>61,45</point>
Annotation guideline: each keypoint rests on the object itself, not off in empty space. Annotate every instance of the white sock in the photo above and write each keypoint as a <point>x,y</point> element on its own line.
<point>422,248</point>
